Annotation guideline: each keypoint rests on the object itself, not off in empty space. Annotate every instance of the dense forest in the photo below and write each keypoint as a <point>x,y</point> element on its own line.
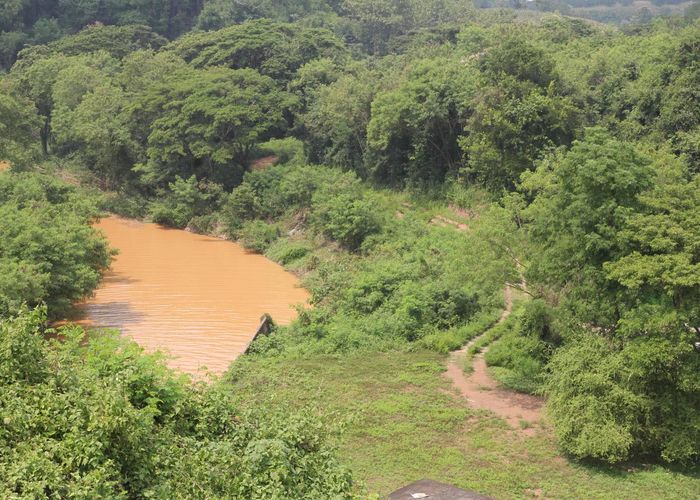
<point>409,159</point>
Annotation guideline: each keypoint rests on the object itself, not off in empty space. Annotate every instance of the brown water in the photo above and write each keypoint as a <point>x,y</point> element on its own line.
<point>196,297</point>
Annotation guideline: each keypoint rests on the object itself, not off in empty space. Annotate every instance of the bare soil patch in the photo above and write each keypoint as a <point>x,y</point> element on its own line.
<point>263,163</point>
<point>441,221</point>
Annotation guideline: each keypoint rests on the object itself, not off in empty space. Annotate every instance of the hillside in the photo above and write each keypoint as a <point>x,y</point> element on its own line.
<point>424,168</point>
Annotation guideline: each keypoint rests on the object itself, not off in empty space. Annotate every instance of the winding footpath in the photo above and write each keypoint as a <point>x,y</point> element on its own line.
<point>521,411</point>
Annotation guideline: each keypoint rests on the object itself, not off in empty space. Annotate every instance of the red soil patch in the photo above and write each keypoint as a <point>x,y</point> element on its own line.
<point>4,166</point>
<point>264,163</point>
<point>467,213</point>
<point>521,411</point>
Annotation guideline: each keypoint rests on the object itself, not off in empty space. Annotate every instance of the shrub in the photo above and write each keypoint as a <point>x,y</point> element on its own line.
<point>101,419</point>
<point>466,196</point>
<point>48,250</point>
<point>286,252</point>
<point>204,224</point>
<point>345,218</point>
<point>130,205</point>
<point>519,358</point>
<point>286,150</point>
<point>451,339</point>
<point>258,235</point>
<point>185,200</point>
<point>241,205</point>
<point>611,400</point>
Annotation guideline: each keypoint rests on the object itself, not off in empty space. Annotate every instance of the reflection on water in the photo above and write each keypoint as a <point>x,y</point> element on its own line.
<point>196,297</point>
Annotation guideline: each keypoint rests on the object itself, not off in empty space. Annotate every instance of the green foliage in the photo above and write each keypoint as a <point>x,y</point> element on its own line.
<point>600,411</point>
<point>376,23</point>
<point>408,281</point>
<point>118,41</point>
<point>243,204</point>
<point>258,235</point>
<point>184,200</point>
<point>619,253</point>
<point>174,131</point>
<point>287,150</point>
<point>414,128</point>
<point>452,339</point>
<point>274,49</point>
<point>345,217</point>
<point>520,114</point>
<point>102,419</point>
<point>126,204</point>
<point>207,123</point>
<point>48,251</point>
<point>337,121</point>
<point>287,252</point>
<point>18,123</point>
<point>89,117</point>
<point>519,358</point>
<point>582,202</point>
<point>313,75</point>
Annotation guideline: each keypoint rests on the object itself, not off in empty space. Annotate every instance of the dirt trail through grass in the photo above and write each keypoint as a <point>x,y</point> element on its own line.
<point>521,411</point>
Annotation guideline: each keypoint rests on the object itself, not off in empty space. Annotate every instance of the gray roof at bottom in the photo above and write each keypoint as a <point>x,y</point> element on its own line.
<point>432,490</point>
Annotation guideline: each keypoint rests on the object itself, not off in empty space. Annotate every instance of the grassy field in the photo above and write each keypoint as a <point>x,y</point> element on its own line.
<point>401,422</point>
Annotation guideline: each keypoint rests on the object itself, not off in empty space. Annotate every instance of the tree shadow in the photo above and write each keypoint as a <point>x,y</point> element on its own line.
<point>116,314</point>
<point>624,470</point>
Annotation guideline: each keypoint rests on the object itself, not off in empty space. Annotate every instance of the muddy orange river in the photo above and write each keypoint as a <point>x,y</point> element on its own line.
<point>197,298</point>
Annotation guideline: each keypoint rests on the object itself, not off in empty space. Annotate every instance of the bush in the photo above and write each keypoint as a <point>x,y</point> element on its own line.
<point>519,358</point>
<point>258,235</point>
<point>204,224</point>
<point>130,205</point>
<point>611,400</point>
<point>346,218</point>
<point>514,366</point>
<point>48,250</point>
<point>286,188</point>
<point>101,419</point>
<point>185,200</point>
<point>452,339</point>
<point>286,150</point>
<point>286,252</point>
<point>241,205</point>
<point>466,196</point>
<point>170,215</point>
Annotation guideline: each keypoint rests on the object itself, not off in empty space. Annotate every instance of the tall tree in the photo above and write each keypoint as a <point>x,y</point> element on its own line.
<point>19,123</point>
<point>208,122</point>
<point>520,111</point>
<point>274,49</point>
<point>414,131</point>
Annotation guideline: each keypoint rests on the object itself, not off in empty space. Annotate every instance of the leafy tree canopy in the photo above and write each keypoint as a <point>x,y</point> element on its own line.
<point>208,122</point>
<point>274,49</point>
<point>48,252</point>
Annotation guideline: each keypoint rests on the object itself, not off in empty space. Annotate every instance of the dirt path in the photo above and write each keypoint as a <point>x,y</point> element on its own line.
<point>521,411</point>
<point>441,221</point>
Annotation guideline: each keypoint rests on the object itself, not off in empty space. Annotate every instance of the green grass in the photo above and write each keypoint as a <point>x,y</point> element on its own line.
<point>402,423</point>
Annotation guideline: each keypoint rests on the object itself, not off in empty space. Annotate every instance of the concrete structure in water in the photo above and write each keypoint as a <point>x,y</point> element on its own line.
<point>432,490</point>
<point>266,325</point>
